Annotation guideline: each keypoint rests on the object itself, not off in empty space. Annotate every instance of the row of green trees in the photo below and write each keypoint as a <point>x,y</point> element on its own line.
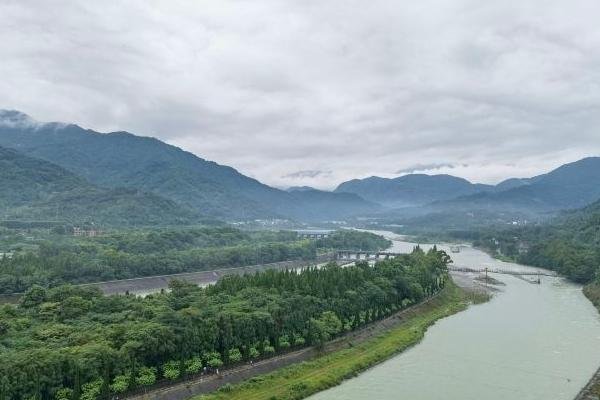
<point>72,343</point>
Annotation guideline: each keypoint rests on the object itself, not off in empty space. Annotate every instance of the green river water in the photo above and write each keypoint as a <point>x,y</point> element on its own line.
<point>529,342</point>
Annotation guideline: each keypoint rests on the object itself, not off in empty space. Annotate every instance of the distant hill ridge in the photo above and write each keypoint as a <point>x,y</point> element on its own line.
<point>570,186</point>
<point>411,190</point>
<point>121,159</point>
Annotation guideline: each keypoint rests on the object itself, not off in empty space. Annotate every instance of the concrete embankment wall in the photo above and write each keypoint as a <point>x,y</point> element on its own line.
<point>156,283</point>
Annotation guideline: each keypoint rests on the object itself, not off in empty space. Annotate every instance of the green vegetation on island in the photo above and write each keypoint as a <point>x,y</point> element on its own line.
<point>72,343</point>
<point>302,380</point>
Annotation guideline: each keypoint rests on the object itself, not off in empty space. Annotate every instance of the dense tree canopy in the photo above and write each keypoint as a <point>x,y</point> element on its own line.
<point>354,240</point>
<point>63,259</point>
<point>569,245</point>
<point>74,343</point>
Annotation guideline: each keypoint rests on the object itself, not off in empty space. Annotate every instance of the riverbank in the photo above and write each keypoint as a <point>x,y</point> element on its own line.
<point>591,391</point>
<point>347,357</point>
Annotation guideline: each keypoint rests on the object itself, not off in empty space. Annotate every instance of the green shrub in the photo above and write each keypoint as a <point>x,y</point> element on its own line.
<point>91,390</point>
<point>146,376</point>
<point>253,353</point>
<point>120,383</point>
<point>284,342</point>
<point>299,340</point>
<point>63,394</point>
<point>235,356</point>
<point>193,366</point>
<point>171,370</point>
<point>215,363</point>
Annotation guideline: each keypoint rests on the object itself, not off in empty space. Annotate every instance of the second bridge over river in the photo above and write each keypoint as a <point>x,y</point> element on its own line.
<point>356,255</point>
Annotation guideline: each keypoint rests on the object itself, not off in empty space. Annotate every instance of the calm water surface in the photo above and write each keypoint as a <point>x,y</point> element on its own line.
<point>528,342</point>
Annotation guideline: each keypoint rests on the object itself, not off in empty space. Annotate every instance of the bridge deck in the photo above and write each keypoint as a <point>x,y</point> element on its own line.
<point>501,271</point>
<point>360,255</point>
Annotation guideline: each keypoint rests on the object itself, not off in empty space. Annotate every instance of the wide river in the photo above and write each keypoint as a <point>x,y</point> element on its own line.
<point>529,342</point>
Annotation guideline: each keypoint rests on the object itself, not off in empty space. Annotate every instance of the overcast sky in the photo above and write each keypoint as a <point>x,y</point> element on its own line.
<point>317,92</point>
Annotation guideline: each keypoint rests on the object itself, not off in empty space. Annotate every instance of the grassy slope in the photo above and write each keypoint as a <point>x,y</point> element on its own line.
<point>302,380</point>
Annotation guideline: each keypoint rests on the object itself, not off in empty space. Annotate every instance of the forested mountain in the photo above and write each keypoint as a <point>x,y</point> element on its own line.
<point>433,198</point>
<point>570,244</point>
<point>570,186</point>
<point>331,205</point>
<point>299,188</point>
<point>411,190</point>
<point>120,159</point>
<point>512,183</point>
<point>37,189</point>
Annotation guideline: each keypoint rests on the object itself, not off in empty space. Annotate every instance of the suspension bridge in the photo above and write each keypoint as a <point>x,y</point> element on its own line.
<point>356,255</point>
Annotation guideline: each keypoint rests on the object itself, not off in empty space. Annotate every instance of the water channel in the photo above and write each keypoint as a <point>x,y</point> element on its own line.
<point>529,342</point>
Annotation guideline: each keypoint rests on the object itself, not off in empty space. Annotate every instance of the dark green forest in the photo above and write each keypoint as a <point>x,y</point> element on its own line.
<point>34,189</point>
<point>354,240</point>
<point>74,343</point>
<point>569,244</point>
<point>59,259</point>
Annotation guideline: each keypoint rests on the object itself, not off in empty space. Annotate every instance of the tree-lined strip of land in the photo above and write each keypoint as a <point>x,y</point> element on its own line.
<point>72,343</point>
<point>304,379</point>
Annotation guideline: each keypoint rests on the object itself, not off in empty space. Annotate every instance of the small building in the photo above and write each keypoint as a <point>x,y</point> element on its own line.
<point>92,232</point>
<point>313,233</point>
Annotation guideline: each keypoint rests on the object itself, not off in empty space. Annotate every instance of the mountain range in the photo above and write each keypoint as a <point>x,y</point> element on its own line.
<point>570,186</point>
<point>411,190</point>
<point>87,174</point>
<point>121,159</point>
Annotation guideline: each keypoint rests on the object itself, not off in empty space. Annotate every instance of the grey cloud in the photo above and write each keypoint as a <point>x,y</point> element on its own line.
<point>426,167</point>
<point>273,87</point>
<point>311,173</point>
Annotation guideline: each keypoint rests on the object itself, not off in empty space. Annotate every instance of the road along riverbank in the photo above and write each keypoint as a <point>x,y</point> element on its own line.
<point>153,284</point>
